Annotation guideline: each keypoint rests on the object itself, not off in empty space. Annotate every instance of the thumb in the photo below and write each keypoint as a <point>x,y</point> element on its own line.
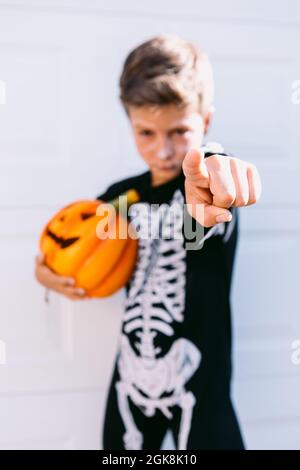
<point>214,215</point>
<point>208,215</point>
<point>194,168</point>
<point>40,258</point>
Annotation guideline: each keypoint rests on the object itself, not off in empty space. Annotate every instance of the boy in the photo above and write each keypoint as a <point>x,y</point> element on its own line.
<point>173,366</point>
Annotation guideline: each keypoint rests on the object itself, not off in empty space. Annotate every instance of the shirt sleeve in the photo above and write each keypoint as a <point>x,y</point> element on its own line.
<point>113,191</point>
<point>107,195</point>
<point>120,187</point>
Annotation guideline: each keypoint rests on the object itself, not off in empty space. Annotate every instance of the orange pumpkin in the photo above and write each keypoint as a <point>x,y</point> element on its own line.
<point>72,246</point>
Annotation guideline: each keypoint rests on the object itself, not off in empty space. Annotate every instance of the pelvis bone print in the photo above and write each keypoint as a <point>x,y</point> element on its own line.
<point>154,361</point>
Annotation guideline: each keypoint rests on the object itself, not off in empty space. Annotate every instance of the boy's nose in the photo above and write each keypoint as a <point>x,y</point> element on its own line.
<point>165,151</point>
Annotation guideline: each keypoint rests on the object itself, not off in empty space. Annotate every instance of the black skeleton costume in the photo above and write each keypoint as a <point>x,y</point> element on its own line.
<point>173,366</point>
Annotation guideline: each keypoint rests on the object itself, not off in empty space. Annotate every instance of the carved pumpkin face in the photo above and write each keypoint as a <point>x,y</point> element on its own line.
<point>72,248</point>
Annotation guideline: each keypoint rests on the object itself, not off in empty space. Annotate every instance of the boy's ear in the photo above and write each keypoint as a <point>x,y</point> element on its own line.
<point>208,118</point>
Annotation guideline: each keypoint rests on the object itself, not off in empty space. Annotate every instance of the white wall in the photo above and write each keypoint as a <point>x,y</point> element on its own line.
<point>63,135</point>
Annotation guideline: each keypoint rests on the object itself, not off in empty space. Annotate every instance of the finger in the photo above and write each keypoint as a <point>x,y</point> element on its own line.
<point>73,297</point>
<point>47,275</point>
<point>194,194</point>
<point>75,292</point>
<point>208,215</point>
<point>78,291</point>
<point>50,277</point>
<point>239,174</point>
<point>254,182</point>
<point>64,280</point>
<point>214,215</point>
<point>222,184</point>
<point>194,168</point>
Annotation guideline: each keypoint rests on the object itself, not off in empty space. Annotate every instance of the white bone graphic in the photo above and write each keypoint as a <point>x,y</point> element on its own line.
<point>154,306</point>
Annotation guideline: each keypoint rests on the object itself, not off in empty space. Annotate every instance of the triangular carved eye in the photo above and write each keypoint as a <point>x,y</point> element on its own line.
<point>86,215</point>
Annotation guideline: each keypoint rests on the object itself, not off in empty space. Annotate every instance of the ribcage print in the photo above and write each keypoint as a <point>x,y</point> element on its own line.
<point>156,295</point>
<point>154,361</point>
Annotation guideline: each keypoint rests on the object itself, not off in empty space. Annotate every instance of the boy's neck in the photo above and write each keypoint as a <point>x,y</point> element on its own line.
<point>157,180</point>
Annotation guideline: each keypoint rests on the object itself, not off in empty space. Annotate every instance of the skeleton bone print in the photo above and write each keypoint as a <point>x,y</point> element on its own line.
<point>153,373</point>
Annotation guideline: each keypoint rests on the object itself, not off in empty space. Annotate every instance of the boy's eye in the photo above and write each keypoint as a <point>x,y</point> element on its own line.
<point>180,131</point>
<point>146,132</point>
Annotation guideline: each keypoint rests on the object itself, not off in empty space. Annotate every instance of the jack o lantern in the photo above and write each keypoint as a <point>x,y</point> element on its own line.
<point>101,263</point>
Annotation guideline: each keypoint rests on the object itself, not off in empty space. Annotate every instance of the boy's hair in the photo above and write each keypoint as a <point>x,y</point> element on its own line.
<point>167,69</point>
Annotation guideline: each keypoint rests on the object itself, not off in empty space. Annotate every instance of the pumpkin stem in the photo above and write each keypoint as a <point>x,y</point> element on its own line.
<point>132,197</point>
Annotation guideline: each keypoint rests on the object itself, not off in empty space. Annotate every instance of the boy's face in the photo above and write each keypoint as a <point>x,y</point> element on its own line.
<point>164,134</point>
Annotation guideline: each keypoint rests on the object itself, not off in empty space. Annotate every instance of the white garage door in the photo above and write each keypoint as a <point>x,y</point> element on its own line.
<point>62,136</point>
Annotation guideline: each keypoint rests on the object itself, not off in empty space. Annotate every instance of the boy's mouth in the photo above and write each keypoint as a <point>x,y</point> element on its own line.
<point>168,167</point>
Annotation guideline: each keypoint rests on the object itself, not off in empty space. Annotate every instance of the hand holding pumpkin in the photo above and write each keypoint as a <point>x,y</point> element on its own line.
<point>90,241</point>
<point>61,284</point>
